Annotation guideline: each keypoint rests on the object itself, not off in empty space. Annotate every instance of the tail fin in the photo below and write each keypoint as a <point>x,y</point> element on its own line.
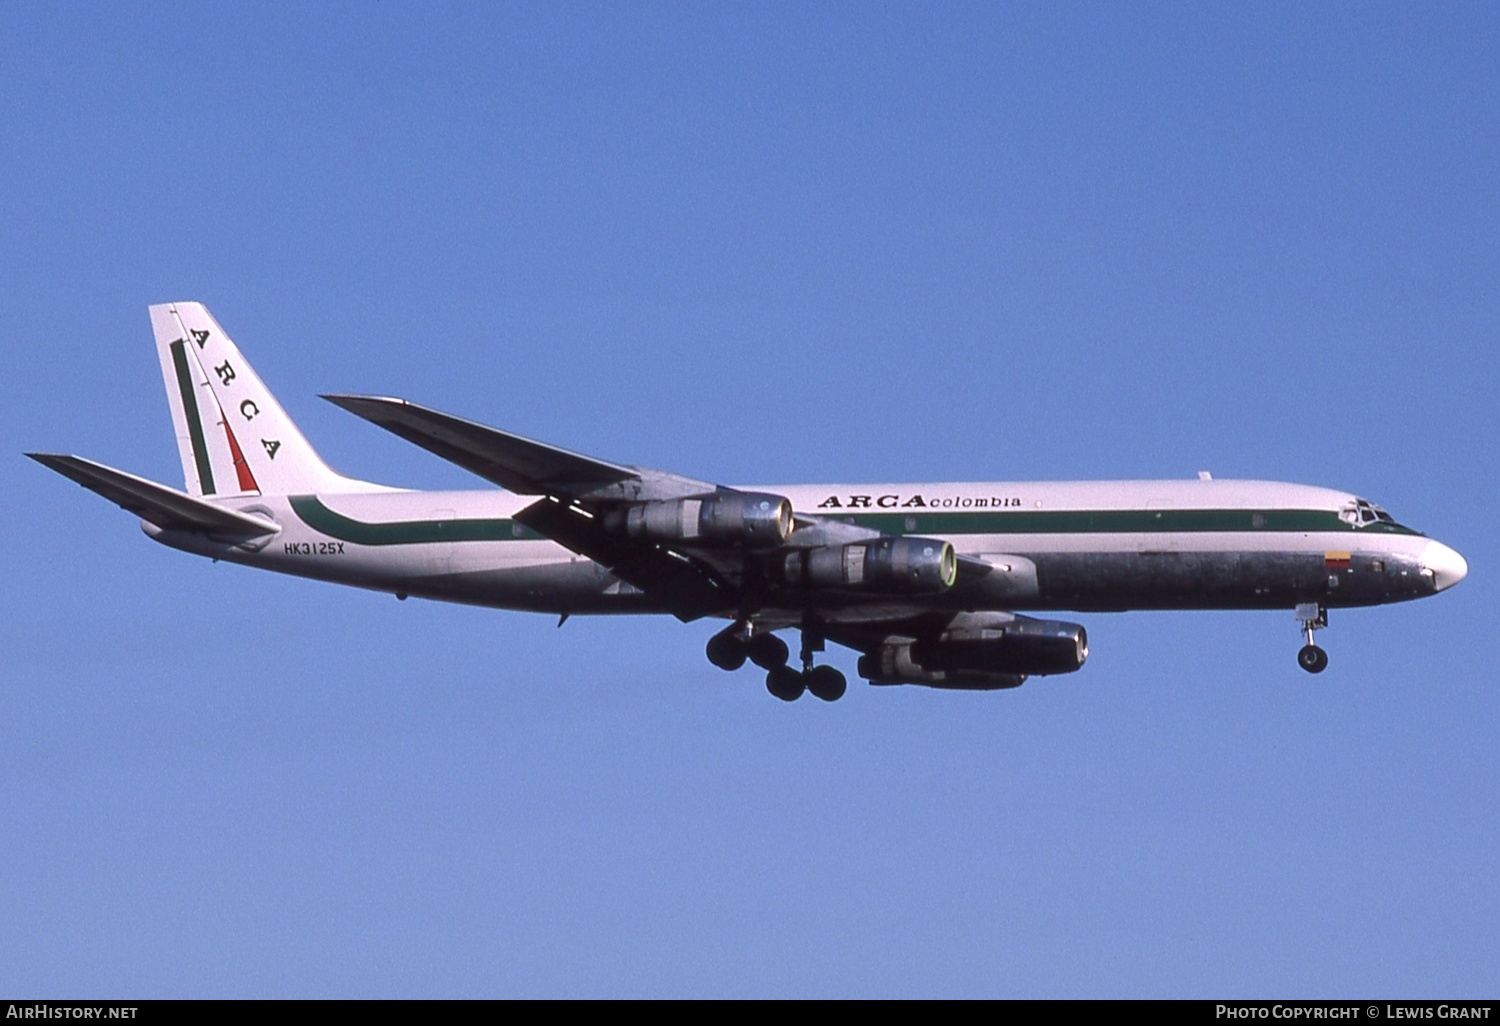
<point>232,434</point>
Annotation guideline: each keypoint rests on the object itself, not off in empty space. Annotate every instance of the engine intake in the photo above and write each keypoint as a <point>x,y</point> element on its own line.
<point>891,566</point>
<point>752,519</point>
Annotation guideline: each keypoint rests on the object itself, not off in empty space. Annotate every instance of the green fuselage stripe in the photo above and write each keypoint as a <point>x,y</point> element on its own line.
<point>412,532</point>
<point>1112,521</point>
<point>194,424</point>
<point>406,532</point>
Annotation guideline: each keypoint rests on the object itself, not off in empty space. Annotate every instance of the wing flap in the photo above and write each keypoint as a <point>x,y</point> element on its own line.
<point>165,507</point>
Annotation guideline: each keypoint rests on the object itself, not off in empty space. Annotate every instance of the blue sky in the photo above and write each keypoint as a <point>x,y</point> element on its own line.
<point>751,243</point>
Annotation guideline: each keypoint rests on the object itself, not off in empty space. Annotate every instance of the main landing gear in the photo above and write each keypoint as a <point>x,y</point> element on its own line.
<point>1312,617</point>
<point>739,642</point>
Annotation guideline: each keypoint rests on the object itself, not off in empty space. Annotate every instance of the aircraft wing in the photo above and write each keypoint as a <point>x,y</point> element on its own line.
<point>582,500</point>
<point>165,507</point>
<point>516,464</point>
<point>576,488</point>
<point>688,585</point>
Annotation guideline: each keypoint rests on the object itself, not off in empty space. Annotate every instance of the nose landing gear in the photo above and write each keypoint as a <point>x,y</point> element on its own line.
<point>1312,617</point>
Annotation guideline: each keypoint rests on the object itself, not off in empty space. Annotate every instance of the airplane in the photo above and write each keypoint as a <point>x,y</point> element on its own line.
<point>923,580</point>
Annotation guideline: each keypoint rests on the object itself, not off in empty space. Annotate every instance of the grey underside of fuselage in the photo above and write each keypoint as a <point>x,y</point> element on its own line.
<point>1221,580</point>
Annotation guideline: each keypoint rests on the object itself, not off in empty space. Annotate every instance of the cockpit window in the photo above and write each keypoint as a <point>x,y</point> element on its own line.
<point>1362,513</point>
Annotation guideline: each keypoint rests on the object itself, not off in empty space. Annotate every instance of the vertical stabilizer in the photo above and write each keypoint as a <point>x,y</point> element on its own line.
<point>232,434</point>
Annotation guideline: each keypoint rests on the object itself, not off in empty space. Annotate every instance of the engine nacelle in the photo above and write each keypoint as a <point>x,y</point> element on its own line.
<point>887,566</point>
<point>752,519</point>
<point>1023,645</point>
<point>981,652</point>
<point>893,664</point>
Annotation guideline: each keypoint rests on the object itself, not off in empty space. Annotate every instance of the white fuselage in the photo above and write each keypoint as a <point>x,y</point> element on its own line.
<point>1051,545</point>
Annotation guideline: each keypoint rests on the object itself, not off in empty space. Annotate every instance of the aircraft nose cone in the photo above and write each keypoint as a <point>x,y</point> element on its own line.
<point>1446,566</point>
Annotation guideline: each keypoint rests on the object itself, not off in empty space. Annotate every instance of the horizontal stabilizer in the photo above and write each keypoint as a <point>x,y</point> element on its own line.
<point>514,463</point>
<point>165,507</point>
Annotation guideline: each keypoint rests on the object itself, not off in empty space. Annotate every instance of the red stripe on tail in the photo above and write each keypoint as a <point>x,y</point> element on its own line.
<point>241,468</point>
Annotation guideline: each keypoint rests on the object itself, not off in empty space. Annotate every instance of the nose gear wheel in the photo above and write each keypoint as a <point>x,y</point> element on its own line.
<point>1312,659</point>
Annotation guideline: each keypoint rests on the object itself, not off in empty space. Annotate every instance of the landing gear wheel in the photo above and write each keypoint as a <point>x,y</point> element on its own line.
<point>1312,617</point>
<point>767,651</point>
<point>826,683</point>
<point>727,650</point>
<point>1312,659</point>
<point>785,683</point>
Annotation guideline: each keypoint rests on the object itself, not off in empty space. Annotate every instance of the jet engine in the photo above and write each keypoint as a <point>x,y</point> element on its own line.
<point>893,664</point>
<point>983,653</point>
<point>888,566</point>
<point>752,519</point>
<point>1023,645</point>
